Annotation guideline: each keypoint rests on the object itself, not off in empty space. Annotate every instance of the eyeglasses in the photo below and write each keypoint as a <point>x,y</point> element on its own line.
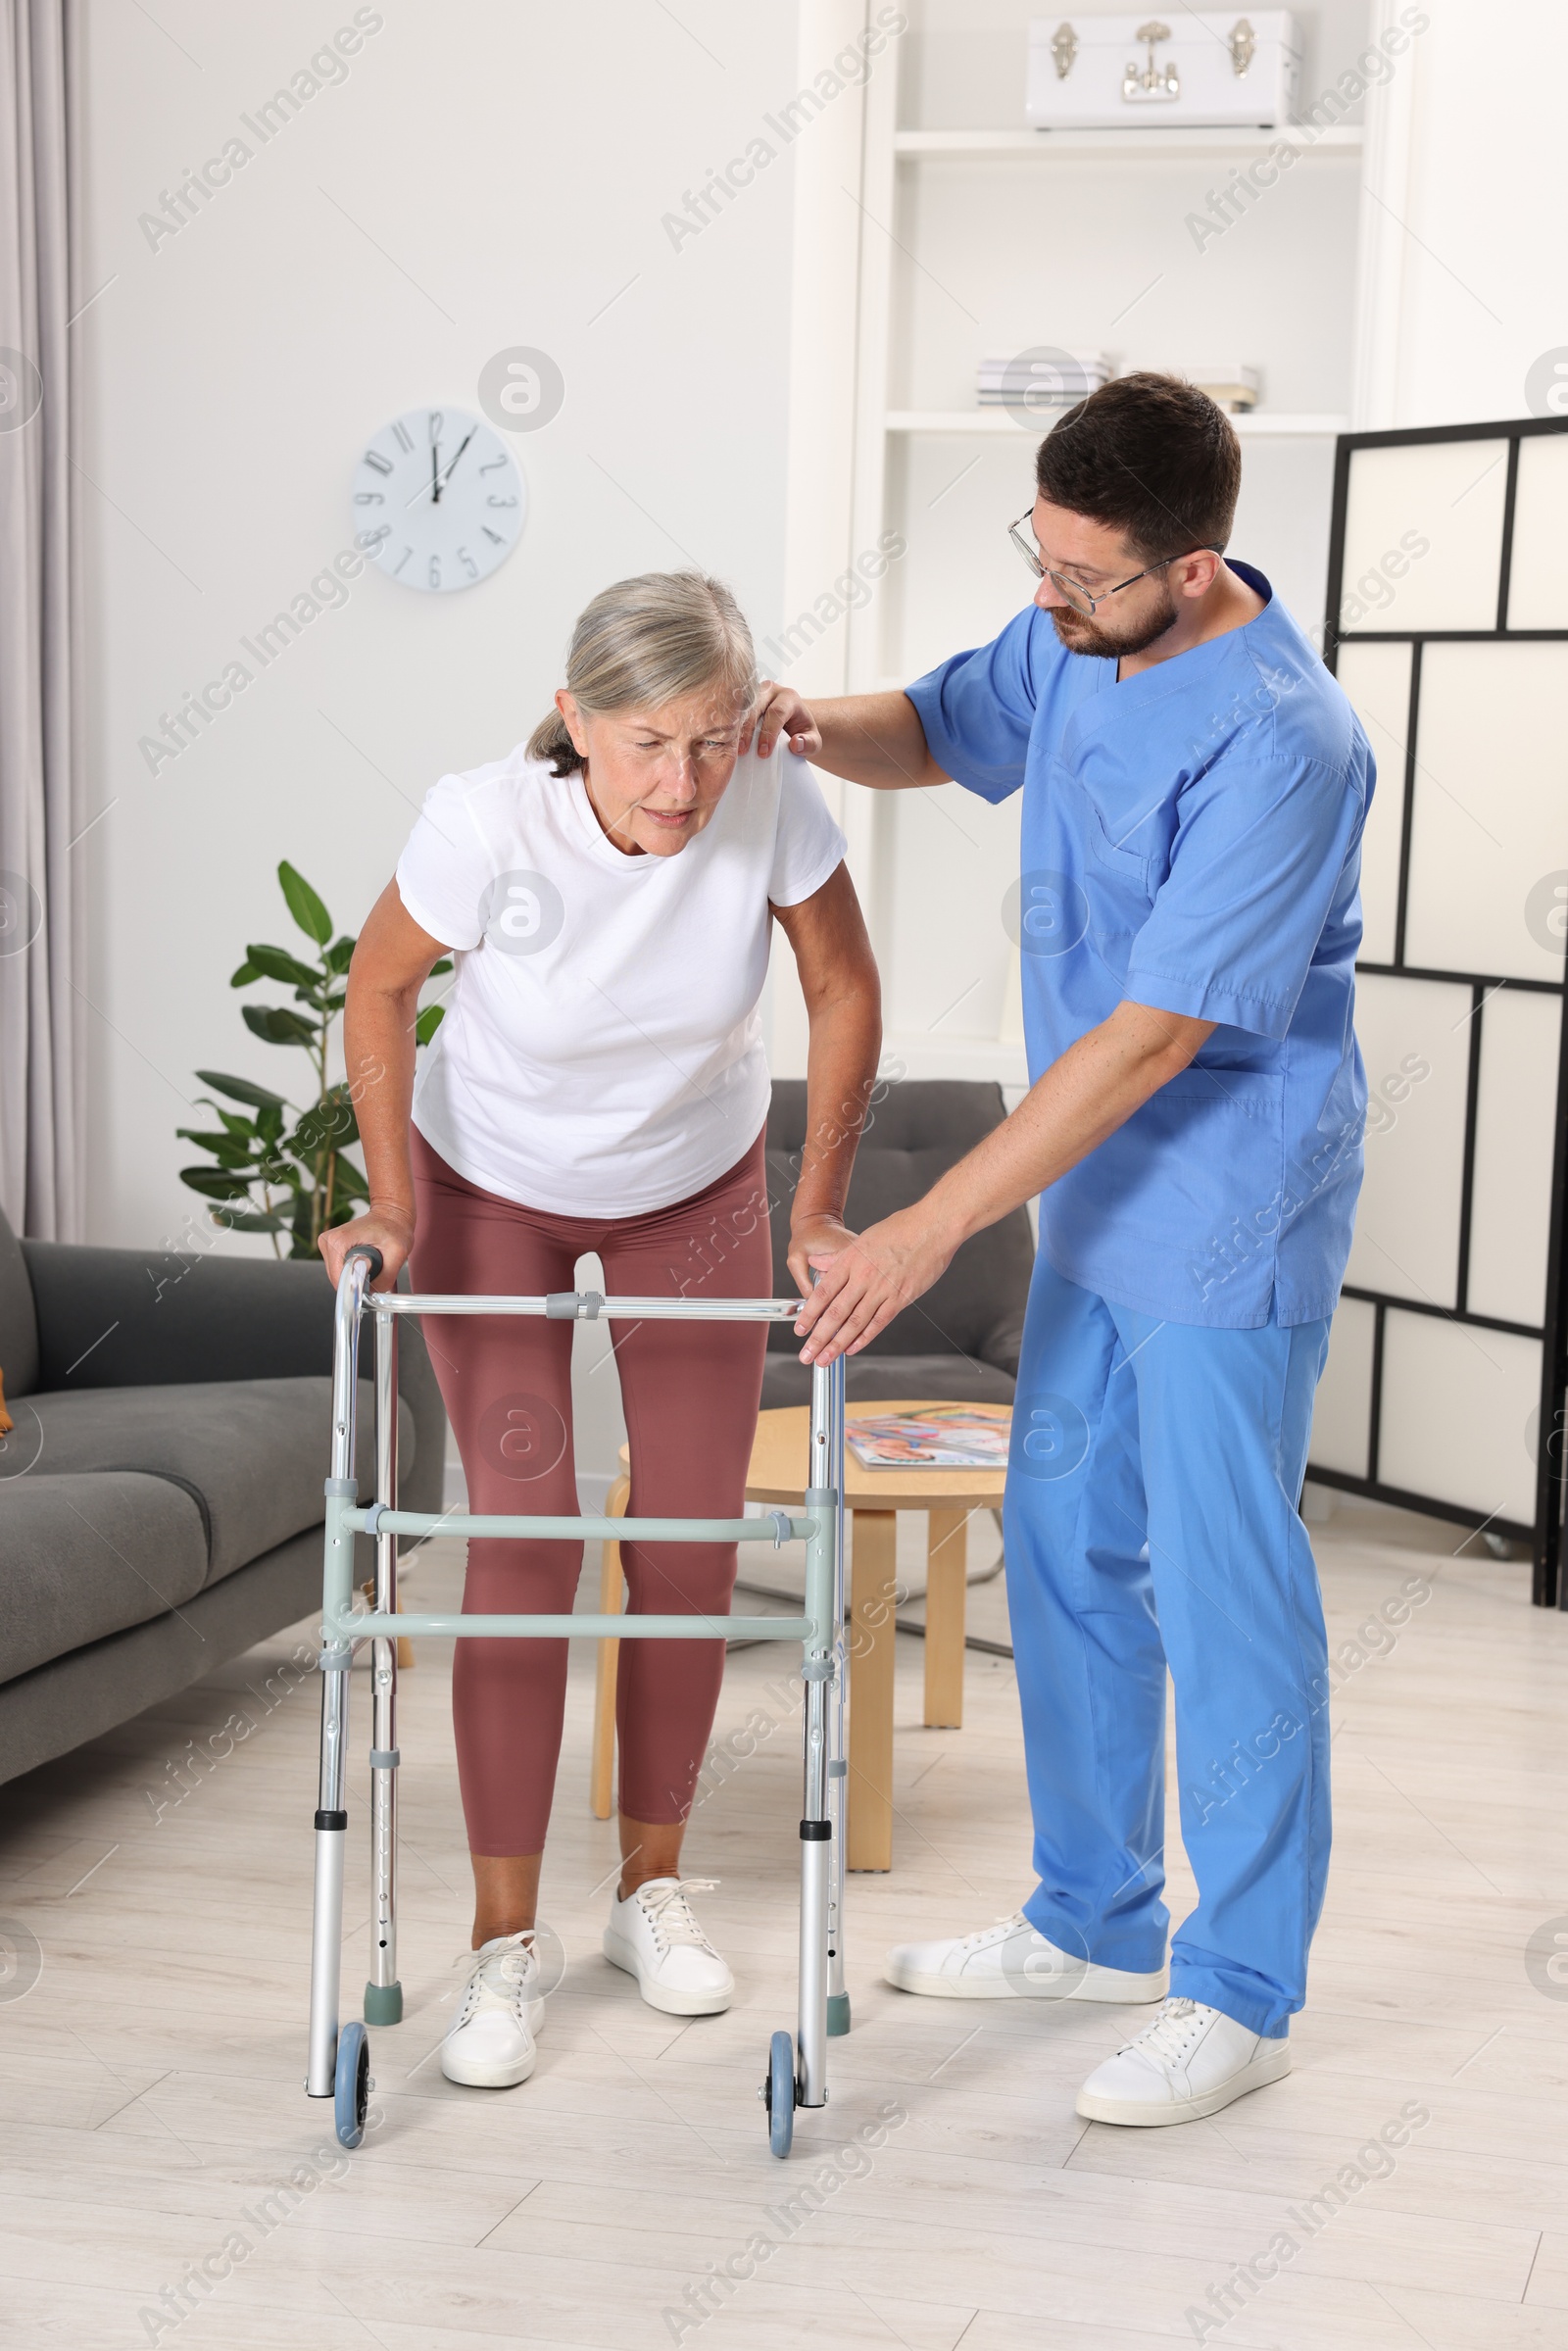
<point>1070,589</point>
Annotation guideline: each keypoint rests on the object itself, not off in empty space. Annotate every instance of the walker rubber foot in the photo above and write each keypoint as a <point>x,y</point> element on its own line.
<point>383,2003</point>
<point>838,2014</point>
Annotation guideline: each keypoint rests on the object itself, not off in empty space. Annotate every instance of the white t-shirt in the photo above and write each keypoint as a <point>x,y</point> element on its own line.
<point>601,1052</point>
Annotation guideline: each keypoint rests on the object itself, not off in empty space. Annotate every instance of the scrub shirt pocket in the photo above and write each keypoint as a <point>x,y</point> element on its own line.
<point>1116,886</point>
<point>1128,864</point>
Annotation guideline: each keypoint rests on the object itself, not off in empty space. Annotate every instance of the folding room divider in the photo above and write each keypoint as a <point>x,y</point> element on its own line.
<point>1448,627</point>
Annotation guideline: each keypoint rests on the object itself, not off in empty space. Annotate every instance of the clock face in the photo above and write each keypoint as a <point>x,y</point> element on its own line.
<point>438,500</point>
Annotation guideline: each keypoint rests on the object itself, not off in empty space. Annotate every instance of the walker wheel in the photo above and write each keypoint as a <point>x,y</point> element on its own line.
<point>351,2087</point>
<point>778,2093</point>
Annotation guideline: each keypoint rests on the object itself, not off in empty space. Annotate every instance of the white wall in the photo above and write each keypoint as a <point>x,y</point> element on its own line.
<point>485,176</point>
<point>988,255</point>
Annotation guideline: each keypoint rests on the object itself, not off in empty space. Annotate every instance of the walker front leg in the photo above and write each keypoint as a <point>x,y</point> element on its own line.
<point>838,1998</point>
<point>797,2075</point>
<point>321,2077</point>
<point>383,1993</point>
<point>817,1881</point>
<point>821,1668</point>
<point>331,1832</point>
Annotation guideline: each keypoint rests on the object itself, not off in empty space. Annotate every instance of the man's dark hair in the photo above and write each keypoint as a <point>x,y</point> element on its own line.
<point>1150,456</point>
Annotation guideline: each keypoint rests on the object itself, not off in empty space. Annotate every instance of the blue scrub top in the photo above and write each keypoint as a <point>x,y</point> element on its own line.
<point>1192,840</point>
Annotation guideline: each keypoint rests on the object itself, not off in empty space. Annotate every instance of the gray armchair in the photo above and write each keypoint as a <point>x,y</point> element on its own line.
<point>160,1490</point>
<point>960,1343</point>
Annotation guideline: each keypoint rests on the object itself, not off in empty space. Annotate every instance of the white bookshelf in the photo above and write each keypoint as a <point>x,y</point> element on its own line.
<point>1256,423</point>
<point>1067,146</point>
<point>950,233</point>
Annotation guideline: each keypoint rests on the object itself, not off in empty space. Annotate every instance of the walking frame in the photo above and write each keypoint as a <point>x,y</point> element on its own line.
<point>340,2060</point>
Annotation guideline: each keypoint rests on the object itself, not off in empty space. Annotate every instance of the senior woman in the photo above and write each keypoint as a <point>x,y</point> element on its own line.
<point>599,1084</point>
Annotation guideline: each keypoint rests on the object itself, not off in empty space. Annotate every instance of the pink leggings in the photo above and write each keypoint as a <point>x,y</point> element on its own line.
<point>690,1392</point>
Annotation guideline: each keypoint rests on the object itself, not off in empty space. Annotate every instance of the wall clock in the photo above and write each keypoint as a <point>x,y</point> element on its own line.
<point>438,500</point>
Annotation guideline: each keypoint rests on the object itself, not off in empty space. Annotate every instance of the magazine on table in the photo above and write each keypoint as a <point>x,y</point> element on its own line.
<point>938,1436</point>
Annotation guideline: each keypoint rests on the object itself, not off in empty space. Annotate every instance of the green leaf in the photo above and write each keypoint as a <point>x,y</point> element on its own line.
<point>348,1183</point>
<point>436,969</point>
<point>242,1089</point>
<point>224,1148</point>
<point>303,905</point>
<point>214,1182</point>
<point>244,976</point>
<point>276,963</point>
<point>340,954</point>
<point>278,1025</point>
<point>327,1125</point>
<point>301,1219</point>
<point>237,1220</point>
<point>430,1020</point>
<point>243,1130</point>
<point>269,1123</point>
<point>240,1130</point>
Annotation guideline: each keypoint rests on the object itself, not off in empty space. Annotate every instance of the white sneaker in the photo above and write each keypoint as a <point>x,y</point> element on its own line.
<point>1190,2062</point>
<point>654,1935</point>
<point>490,2044</point>
<point>1013,1961</point>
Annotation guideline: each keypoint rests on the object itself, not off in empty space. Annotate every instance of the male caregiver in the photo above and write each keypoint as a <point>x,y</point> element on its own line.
<point>1194,786</point>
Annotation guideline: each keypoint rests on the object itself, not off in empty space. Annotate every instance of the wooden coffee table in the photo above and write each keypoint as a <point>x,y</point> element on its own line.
<point>949,1497</point>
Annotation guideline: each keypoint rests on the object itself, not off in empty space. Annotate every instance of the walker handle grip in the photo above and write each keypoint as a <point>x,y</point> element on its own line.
<point>371,1255</point>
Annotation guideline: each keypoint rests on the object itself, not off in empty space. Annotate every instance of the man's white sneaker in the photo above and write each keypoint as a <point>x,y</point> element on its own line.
<point>1190,2062</point>
<point>1013,1961</point>
<point>654,1935</point>
<point>490,2044</point>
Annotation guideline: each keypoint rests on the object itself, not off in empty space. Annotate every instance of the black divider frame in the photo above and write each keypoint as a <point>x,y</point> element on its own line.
<point>1549,1587</point>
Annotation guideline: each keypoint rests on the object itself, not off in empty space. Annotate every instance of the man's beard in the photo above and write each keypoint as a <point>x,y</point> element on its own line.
<point>1080,634</point>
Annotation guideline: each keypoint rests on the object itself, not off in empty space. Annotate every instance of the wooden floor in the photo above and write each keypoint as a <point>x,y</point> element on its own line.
<point>152,2076</point>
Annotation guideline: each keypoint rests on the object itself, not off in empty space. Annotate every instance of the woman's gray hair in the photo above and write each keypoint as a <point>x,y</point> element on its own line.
<point>645,642</point>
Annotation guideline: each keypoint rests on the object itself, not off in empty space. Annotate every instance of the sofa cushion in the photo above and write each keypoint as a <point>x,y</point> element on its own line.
<point>18,1321</point>
<point>874,1378</point>
<point>86,1556</point>
<point>917,1131</point>
<point>251,1453</point>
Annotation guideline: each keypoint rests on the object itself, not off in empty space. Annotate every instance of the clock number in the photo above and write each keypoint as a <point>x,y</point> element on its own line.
<point>437,422</point>
<point>490,465</point>
<point>468,564</point>
<point>382,464</point>
<point>402,560</point>
<point>404,439</point>
<point>494,536</point>
<point>373,538</point>
<point>493,500</point>
<point>435,571</point>
<point>368,498</point>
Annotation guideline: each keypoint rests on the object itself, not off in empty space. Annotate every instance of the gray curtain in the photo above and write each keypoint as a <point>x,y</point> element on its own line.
<point>41,1044</point>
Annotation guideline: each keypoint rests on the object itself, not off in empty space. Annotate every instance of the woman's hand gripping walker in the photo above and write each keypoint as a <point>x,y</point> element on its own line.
<point>339,2061</point>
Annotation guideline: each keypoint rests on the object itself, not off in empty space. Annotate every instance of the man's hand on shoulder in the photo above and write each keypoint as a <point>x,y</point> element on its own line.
<point>780,711</point>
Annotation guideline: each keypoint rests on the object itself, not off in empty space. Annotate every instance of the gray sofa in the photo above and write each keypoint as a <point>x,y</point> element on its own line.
<point>960,1343</point>
<point>160,1490</point>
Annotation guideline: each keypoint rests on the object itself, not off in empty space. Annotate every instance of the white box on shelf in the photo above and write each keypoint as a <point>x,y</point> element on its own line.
<point>1199,67</point>
<point>1230,383</point>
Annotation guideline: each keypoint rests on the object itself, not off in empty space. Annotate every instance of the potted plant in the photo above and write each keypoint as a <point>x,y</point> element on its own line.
<point>290,1168</point>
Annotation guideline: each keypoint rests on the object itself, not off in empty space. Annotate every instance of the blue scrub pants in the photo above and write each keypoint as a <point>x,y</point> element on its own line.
<point>1150,1518</point>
